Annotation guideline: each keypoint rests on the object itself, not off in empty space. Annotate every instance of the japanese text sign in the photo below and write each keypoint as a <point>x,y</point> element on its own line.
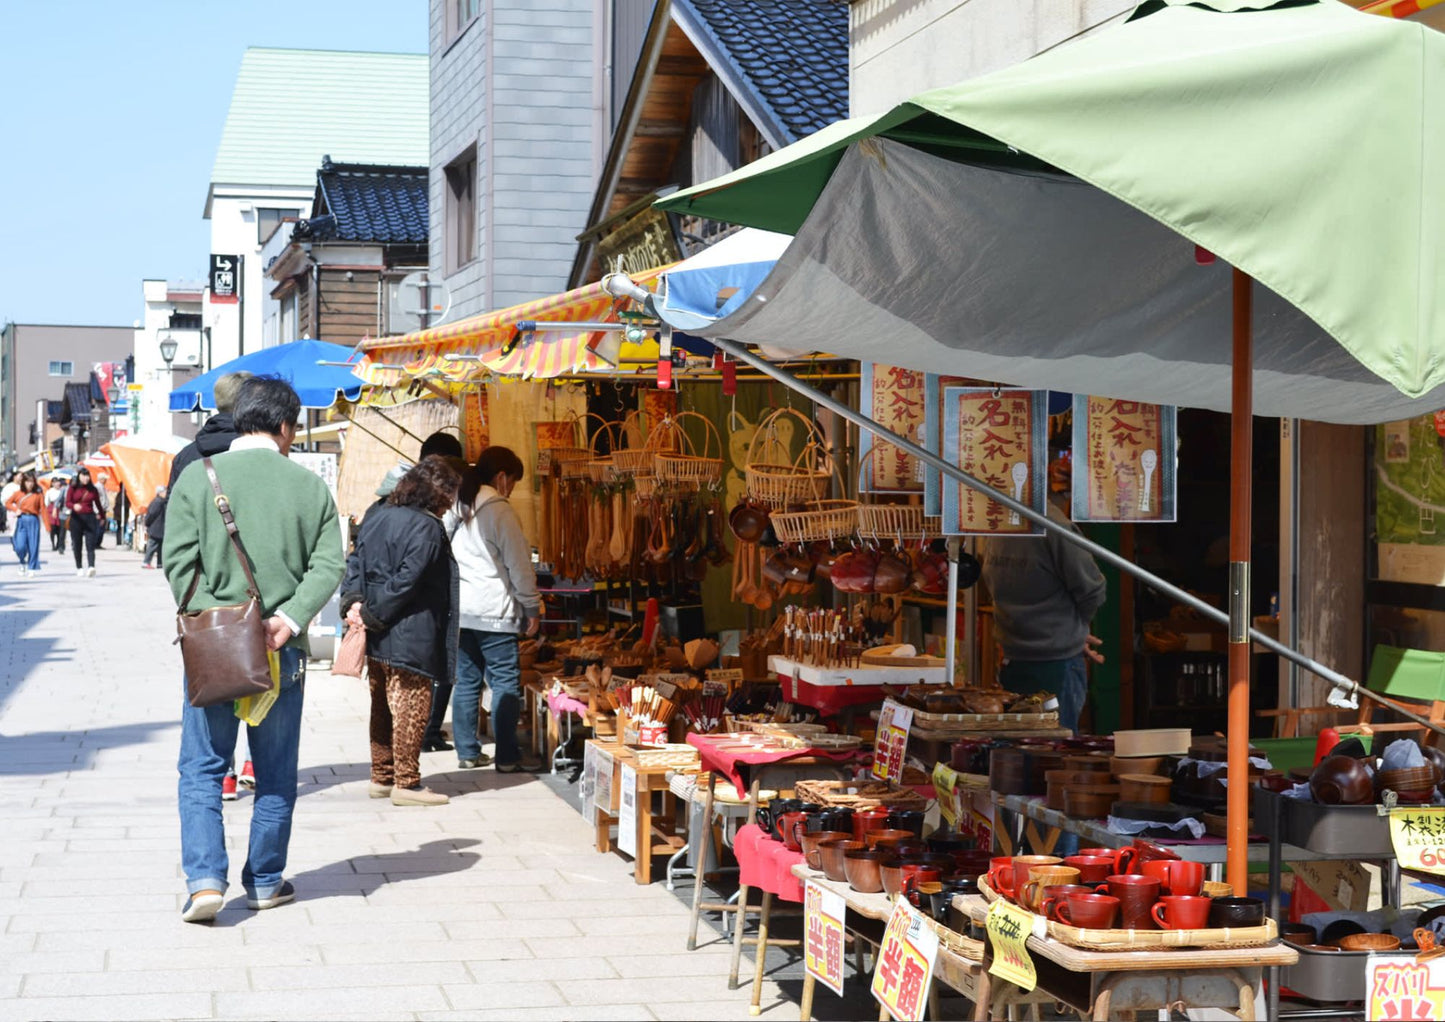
<point>824,913</point>
<point>893,397</point>
<point>933,387</point>
<point>1419,838</point>
<point>1008,927</point>
<point>1400,986</point>
<point>999,437</point>
<point>1123,461</point>
<point>945,788</point>
<point>891,741</point>
<point>905,963</point>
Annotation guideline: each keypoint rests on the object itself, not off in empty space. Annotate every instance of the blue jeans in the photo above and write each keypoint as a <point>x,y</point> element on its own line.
<point>493,657</point>
<point>26,541</point>
<point>208,744</point>
<point>1068,679</point>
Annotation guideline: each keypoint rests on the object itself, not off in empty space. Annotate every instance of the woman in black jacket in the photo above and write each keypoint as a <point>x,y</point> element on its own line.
<point>401,584</point>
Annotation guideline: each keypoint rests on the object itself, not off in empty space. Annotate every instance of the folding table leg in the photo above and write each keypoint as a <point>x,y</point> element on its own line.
<point>701,864</point>
<point>738,921</point>
<point>761,954</point>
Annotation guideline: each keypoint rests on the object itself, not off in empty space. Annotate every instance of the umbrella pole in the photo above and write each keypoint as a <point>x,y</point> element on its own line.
<point>1240,526</point>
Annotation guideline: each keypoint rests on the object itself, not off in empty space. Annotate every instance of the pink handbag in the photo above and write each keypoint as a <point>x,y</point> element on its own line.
<point>350,661</point>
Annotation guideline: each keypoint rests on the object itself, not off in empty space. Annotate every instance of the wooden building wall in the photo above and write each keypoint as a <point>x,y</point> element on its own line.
<point>349,309</point>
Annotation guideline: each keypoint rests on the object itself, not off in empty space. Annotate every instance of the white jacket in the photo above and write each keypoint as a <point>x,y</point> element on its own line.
<point>498,583</point>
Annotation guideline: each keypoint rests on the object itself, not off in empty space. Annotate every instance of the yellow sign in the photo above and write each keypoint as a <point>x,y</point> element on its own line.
<point>1008,927</point>
<point>905,964</point>
<point>1403,987</point>
<point>945,785</point>
<point>1419,838</point>
<point>894,722</point>
<point>824,913</point>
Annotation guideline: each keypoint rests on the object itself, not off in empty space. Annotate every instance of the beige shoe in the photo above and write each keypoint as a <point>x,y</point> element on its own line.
<point>417,796</point>
<point>379,790</point>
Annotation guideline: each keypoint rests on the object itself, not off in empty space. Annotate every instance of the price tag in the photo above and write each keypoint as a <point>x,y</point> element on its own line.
<point>1400,986</point>
<point>1419,838</point>
<point>627,811</point>
<point>1008,927</point>
<point>891,742</point>
<point>731,675</point>
<point>824,913</point>
<point>945,788</point>
<point>905,964</point>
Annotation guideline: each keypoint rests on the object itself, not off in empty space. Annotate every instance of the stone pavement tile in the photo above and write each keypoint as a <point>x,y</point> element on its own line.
<point>72,887</point>
<point>10,985</point>
<point>463,929</point>
<point>107,905</point>
<point>342,935</point>
<point>312,977</point>
<point>159,981</point>
<point>730,1005</point>
<point>402,893</point>
<point>628,926</point>
<point>172,934</point>
<point>594,1013</point>
<point>558,969</point>
<point>146,959</point>
<point>570,908</point>
<point>647,944</point>
<point>27,962</point>
<point>135,921</point>
<point>498,947</point>
<point>656,990</point>
<point>504,995</point>
<point>114,1007</point>
<point>706,964</point>
<point>331,1002</point>
<point>366,913</point>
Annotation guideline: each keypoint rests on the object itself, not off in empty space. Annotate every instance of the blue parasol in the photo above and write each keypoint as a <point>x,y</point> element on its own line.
<point>298,363</point>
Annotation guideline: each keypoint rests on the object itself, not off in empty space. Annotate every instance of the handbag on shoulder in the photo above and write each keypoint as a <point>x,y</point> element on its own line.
<point>224,648</point>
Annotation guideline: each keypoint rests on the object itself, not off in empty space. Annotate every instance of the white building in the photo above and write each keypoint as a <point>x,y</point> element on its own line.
<point>289,109</point>
<point>172,310</point>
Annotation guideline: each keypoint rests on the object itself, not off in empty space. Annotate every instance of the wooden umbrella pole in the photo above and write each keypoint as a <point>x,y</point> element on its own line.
<point>1240,528</point>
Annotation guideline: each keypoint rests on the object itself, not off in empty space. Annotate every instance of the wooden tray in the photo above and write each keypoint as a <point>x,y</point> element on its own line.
<point>868,793</point>
<point>884,660</point>
<point>930,722</point>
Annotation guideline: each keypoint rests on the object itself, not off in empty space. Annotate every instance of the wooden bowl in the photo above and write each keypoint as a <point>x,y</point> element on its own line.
<point>1136,765</point>
<point>1090,802</point>
<point>1369,942</point>
<point>1144,788</point>
<point>1407,781</point>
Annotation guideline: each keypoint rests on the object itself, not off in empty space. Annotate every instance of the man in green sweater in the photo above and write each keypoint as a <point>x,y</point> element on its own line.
<point>288,525</point>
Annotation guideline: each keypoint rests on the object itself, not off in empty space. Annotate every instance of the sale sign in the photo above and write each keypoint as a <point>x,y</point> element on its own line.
<point>1401,986</point>
<point>824,913</point>
<point>905,963</point>
<point>891,741</point>
<point>1419,838</point>
<point>1008,928</point>
<point>999,437</point>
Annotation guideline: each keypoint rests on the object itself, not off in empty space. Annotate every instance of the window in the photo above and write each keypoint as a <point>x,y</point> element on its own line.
<point>460,236</point>
<point>268,218</point>
<point>459,15</point>
<point>62,368</point>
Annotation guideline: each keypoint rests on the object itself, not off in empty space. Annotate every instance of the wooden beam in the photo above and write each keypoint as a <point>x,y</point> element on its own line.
<point>660,129</point>
<point>635,186</point>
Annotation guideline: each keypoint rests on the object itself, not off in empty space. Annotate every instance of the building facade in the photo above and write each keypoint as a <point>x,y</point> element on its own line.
<point>289,109</point>
<point>37,362</point>
<point>173,312</point>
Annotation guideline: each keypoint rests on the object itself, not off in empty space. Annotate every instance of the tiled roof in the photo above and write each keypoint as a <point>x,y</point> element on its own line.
<point>791,55</point>
<point>367,203</point>
<point>290,107</point>
<point>77,402</point>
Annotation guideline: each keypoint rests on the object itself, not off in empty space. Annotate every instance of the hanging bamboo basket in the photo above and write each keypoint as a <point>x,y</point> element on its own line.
<point>820,520</point>
<point>635,462</point>
<point>602,468</point>
<point>898,523</point>
<point>680,462</point>
<point>560,443</point>
<point>778,481</point>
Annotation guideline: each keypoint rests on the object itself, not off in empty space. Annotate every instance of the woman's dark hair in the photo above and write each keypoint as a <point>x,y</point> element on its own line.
<point>441,443</point>
<point>266,404</point>
<point>492,461</point>
<point>430,486</point>
<point>29,477</point>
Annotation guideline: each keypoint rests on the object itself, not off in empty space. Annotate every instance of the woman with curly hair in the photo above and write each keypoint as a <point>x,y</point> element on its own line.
<point>401,585</point>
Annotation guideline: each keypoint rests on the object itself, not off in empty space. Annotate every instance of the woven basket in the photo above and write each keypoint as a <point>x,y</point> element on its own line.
<point>602,468</point>
<point>822,520</point>
<point>681,462</point>
<point>629,460</point>
<point>862,796</point>
<point>560,454</point>
<point>895,522</point>
<point>775,480</point>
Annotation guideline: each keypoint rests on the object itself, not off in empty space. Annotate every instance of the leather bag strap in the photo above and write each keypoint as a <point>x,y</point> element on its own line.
<point>224,507</point>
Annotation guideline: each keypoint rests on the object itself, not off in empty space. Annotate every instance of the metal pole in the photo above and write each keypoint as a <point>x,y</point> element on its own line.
<point>1241,527</point>
<point>741,353</point>
<point>950,658</point>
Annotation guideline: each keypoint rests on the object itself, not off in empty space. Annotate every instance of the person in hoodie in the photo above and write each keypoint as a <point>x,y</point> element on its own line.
<point>217,433</point>
<point>498,602</point>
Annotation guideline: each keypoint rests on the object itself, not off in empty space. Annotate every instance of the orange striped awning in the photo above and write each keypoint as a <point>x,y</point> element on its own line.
<point>486,345</point>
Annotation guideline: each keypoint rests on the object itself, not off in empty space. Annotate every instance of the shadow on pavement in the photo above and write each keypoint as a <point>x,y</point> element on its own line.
<point>58,752</point>
<point>435,858</point>
<point>454,782</point>
<point>25,654</point>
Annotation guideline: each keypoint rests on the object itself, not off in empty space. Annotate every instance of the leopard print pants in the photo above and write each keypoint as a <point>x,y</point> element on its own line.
<point>400,705</point>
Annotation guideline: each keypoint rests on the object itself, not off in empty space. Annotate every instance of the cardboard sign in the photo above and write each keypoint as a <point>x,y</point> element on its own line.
<point>1400,986</point>
<point>891,741</point>
<point>1008,928</point>
<point>1418,835</point>
<point>602,789</point>
<point>824,913</point>
<point>1000,437</point>
<point>587,788</point>
<point>1342,884</point>
<point>1124,461</point>
<point>627,811</point>
<point>905,964</point>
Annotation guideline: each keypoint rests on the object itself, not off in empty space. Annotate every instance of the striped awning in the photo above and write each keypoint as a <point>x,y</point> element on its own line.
<point>493,344</point>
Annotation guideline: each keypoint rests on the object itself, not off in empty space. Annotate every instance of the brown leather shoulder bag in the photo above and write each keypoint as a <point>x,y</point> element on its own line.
<point>224,648</point>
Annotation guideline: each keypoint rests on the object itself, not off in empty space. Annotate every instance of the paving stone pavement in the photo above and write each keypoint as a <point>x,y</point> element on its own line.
<point>494,906</point>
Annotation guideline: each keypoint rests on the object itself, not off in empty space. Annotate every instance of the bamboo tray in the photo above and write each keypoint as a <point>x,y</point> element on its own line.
<point>677,756</point>
<point>865,794</point>
<point>924,722</point>
<point>1151,940</point>
<point>958,943</point>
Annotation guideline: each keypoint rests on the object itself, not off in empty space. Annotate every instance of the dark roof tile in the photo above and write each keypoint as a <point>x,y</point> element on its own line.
<point>364,203</point>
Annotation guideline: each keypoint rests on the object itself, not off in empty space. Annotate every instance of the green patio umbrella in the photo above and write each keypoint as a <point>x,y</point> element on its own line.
<point>1295,140</point>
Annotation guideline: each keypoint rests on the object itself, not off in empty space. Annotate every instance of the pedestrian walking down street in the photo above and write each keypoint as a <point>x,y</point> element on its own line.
<point>27,504</point>
<point>499,602</point>
<point>155,522</point>
<point>447,446</point>
<point>56,514</point>
<point>86,505</point>
<point>401,586</point>
<point>288,525</point>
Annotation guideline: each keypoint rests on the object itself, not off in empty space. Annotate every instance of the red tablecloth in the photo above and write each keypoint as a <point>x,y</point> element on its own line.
<point>766,863</point>
<point>736,764</point>
<point>560,702</point>
<point>828,699</point>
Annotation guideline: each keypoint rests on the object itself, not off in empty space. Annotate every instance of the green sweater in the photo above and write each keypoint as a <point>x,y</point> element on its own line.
<point>288,525</point>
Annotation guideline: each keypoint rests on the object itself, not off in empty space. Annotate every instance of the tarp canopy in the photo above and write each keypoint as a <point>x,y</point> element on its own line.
<point>298,362</point>
<point>958,232</point>
<point>141,462</point>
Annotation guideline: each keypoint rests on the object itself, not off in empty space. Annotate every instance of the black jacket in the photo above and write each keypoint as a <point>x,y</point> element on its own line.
<point>403,574</point>
<point>215,436</point>
<point>156,518</point>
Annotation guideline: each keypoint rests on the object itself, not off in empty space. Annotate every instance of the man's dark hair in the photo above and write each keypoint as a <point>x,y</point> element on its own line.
<point>431,485</point>
<point>265,405</point>
<point>492,461</point>
<point>442,443</point>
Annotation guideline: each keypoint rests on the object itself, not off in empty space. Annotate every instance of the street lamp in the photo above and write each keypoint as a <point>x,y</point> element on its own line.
<point>112,395</point>
<point>168,348</point>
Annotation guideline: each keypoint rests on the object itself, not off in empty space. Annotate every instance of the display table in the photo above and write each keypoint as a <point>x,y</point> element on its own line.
<point>1092,981</point>
<point>655,833</point>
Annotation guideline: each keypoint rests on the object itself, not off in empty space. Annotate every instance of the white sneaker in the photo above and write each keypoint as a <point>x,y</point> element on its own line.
<point>24,571</point>
<point>90,572</point>
<point>80,573</point>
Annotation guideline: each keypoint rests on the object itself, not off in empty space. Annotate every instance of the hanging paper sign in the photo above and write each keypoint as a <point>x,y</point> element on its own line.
<point>933,388</point>
<point>588,785</point>
<point>602,789</point>
<point>945,789</point>
<point>999,437</point>
<point>891,740</point>
<point>1123,461</point>
<point>905,963</point>
<point>1008,928</point>
<point>824,913</point>
<point>475,431</point>
<point>1402,986</point>
<point>893,397</point>
<point>1419,838</point>
<point>627,811</point>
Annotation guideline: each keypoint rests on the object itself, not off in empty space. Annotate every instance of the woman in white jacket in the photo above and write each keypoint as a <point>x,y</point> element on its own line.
<point>498,602</point>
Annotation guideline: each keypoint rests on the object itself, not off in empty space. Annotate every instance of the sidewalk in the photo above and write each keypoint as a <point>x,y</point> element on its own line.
<point>492,907</point>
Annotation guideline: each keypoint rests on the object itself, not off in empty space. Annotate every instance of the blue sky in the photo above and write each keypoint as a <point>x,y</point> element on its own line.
<point>109,122</point>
